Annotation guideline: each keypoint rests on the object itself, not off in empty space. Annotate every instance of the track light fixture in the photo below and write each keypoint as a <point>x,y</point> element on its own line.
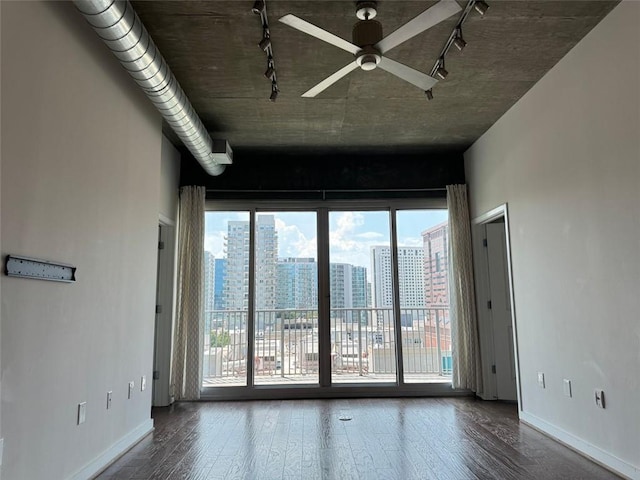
<point>481,7</point>
<point>258,7</point>
<point>442,72</point>
<point>458,40</point>
<point>455,38</point>
<point>265,43</point>
<point>270,72</point>
<point>429,94</point>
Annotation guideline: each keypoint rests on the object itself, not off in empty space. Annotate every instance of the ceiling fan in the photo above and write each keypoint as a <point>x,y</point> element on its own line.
<point>369,47</point>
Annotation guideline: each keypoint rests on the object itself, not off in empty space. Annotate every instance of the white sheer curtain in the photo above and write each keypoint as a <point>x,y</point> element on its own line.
<point>467,371</point>
<point>186,371</point>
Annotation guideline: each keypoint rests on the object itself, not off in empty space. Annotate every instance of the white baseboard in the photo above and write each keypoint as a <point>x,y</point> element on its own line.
<point>583,447</point>
<point>115,451</point>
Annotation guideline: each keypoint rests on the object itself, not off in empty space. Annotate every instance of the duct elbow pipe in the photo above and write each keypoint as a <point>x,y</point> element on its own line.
<point>120,28</point>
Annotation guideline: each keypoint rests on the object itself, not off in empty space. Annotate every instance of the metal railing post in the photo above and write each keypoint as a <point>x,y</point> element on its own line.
<point>438,342</point>
<point>359,345</point>
<point>282,348</point>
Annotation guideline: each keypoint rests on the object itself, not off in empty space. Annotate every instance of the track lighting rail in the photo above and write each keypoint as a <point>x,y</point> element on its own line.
<point>455,38</point>
<point>260,8</point>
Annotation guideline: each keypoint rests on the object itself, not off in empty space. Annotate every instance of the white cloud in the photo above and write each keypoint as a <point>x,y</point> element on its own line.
<point>411,242</point>
<point>341,238</point>
<point>214,243</point>
<point>347,221</point>
<point>370,235</point>
<point>347,246</point>
<point>292,242</point>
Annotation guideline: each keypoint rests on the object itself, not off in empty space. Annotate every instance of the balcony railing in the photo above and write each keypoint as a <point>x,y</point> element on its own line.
<point>363,345</point>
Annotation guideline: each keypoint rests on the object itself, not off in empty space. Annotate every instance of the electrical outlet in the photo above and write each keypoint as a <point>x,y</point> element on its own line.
<point>599,397</point>
<point>541,379</point>
<point>132,385</point>
<point>143,383</point>
<point>109,396</point>
<point>567,387</point>
<point>82,412</point>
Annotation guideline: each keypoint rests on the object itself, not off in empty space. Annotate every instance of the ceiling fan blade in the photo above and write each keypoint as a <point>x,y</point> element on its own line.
<point>427,19</point>
<point>408,74</point>
<point>319,33</point>
<point>330,80</point>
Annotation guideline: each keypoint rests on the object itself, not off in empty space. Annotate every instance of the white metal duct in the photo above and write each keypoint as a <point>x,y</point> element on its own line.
<point>118,25</point>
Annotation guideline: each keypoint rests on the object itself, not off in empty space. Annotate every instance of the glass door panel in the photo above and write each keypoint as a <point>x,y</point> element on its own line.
<point>361,289</point>
<point>286,298</point>
<point>424,295</point>
<point>226,298</point>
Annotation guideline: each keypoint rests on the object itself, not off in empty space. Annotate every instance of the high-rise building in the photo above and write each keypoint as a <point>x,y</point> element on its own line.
<point>209,281</point>
<point>359,287</point>
<point>297,285</point>
<point>220,271</point>
<point>266,259</point>
<point>340,285</point>
<point>436,264</point>
<point>348,290</point>
<point>411,282</point>
<point>410,272</point>
<point>381,276</point>
<point>236,284</point>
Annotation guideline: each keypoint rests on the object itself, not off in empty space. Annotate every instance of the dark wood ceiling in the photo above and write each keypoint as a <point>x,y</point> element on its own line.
<point>212,49</point>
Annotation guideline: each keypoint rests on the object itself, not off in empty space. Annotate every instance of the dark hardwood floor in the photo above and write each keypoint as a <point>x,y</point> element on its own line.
<point>423,438</point>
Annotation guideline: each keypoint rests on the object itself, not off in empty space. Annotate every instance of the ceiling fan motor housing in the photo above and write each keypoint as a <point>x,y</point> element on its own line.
<point>366,34</point>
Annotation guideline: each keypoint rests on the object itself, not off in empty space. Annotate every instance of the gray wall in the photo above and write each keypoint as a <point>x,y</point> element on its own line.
<point>566,159</point>
<point>81,155</point>
<point>169,179</point>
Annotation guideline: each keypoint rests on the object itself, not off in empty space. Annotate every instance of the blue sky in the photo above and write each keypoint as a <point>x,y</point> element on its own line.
<point>351,233</point>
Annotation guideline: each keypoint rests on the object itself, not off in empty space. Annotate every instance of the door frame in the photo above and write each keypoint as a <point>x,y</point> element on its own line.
<point>163,329</point>
<point>484,319</point>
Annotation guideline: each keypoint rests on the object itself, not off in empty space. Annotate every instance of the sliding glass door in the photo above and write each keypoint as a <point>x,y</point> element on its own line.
<point>286,298</point>
<point>226,298</point>
<point>363,345</point>
<point>423,294</point>
<point>322,297</point>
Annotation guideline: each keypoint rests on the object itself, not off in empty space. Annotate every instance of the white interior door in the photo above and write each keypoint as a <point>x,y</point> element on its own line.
<point>500,311</point>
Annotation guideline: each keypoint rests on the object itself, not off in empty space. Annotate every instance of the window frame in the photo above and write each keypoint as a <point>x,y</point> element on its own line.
<point>325,388</point>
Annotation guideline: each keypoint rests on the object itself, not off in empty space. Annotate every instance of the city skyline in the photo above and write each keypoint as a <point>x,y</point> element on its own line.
<point>352,234</point>
<point>292,282</point>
